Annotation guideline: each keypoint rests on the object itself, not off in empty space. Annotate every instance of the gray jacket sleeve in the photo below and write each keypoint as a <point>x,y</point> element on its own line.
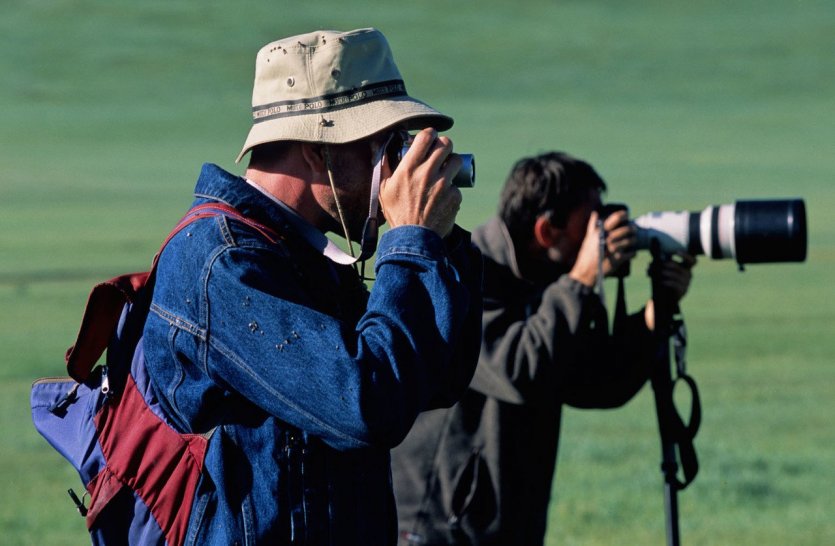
<point>556,347</point>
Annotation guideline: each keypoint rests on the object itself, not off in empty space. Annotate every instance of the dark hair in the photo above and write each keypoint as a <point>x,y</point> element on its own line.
<point>553,182</point>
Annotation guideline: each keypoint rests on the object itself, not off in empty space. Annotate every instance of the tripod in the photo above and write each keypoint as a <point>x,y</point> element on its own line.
<point>676,436</point>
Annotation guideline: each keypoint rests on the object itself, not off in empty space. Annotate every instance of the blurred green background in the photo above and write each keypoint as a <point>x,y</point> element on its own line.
<point>109,108</point>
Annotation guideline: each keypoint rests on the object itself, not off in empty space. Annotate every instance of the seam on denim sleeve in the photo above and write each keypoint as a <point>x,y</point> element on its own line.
<point>225,231</point>
<point>178,322</point>
<point>205,304</point>
<point>393,252</point>
<point>178,375</point>
<point>240,364</point>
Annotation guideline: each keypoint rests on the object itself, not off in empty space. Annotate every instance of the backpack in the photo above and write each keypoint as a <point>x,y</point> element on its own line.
<point>140,473</point>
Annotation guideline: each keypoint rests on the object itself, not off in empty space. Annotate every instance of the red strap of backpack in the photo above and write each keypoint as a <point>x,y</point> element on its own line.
<point>107,299</point>
<point>215,209</point>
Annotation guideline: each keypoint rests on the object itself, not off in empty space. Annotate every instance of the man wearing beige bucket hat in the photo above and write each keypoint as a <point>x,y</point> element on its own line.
<point>262,335</point>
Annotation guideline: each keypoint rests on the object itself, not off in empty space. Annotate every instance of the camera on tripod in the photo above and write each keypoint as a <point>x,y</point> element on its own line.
<point>749,231</point>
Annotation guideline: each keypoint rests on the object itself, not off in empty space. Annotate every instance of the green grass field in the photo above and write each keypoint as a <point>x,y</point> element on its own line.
<point>109,108</point>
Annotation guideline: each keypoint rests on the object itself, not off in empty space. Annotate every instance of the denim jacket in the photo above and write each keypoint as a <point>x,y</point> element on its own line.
<point>302,378</point>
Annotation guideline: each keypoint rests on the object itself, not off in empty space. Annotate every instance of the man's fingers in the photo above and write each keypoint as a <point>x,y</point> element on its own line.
<point>687,260</point>
<point>432,152</point>
<point>422,144</point>
<point>423,193</point>
<point>677,276</point>
<point>439,153</point>
<point>450,168</point>
<point>616,219</point>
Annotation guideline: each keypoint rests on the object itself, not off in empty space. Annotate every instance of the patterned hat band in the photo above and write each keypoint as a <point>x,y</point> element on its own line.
<point>329,103</point>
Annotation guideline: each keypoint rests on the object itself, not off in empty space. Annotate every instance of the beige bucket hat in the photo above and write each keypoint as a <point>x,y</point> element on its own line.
<point>332,87</point>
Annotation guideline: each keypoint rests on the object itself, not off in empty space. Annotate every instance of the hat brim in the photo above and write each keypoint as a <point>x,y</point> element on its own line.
<point>348,124</point>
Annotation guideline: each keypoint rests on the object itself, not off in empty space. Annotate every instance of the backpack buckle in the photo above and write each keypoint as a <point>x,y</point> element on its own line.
<point>79,504</point>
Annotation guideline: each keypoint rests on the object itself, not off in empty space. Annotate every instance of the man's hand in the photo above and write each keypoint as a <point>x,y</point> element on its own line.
<point>620,248</point>
<point>675,275</point>
<point>420,191</point>
<point>588,258</point>
<point>620,241</point>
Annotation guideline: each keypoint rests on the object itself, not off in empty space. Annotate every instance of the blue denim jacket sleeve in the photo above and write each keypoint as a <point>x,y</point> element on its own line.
<point>353,385</point>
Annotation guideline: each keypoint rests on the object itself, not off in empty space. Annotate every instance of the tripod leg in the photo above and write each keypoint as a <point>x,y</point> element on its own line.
<point>662,385</point>
<point>671,507</point>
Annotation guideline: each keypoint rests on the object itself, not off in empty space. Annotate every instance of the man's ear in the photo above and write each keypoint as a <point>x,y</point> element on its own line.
<point>545,233</point>
<point>314,156</point>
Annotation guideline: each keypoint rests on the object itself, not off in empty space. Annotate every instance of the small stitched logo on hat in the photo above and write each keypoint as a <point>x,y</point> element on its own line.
<point>329,103</point>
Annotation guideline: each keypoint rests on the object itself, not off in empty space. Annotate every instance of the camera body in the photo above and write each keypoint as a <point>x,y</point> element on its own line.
<point>399,145</point>
<point>465,178</point>
<point>749,231</point>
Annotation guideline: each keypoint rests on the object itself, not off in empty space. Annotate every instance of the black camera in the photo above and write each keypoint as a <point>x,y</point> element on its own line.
<point>399,145</point>
<point>749,231</point>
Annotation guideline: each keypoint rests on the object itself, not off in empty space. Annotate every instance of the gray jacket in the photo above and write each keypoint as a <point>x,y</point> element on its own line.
<point>480,472</point>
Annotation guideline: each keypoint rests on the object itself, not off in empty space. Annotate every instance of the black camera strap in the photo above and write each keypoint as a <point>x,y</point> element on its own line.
<point>683,433</point>
<point>620,309</point>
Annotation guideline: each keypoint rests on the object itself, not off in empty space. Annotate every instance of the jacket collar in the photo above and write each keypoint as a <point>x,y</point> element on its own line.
<point>215,184</point>
<point>494,241</point>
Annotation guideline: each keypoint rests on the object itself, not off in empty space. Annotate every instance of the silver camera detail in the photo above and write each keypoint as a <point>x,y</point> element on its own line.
<point>465,178</point>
